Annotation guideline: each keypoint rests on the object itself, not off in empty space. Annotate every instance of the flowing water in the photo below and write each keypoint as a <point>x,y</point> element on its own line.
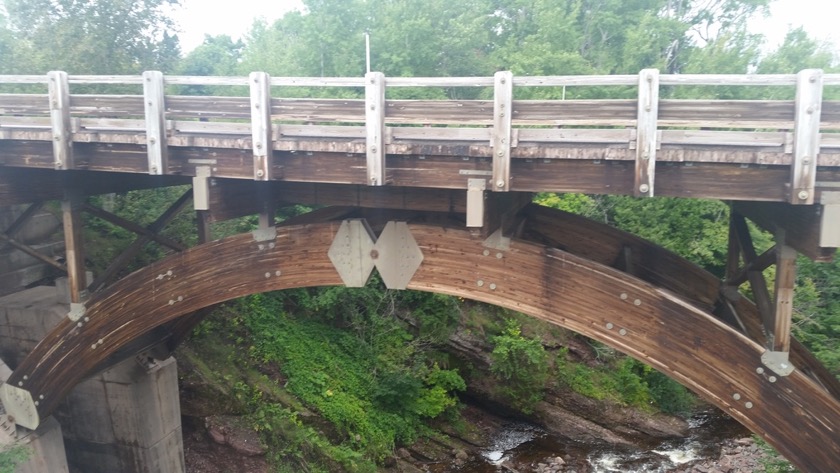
<point>525,445</point>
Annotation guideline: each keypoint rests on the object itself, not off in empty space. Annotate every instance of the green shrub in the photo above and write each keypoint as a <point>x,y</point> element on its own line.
<point>520,366</point>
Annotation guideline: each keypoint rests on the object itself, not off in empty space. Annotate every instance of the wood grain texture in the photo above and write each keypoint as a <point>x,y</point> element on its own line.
<point>794,414</point>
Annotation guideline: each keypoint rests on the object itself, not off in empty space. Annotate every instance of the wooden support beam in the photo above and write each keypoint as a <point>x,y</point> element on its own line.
<point>129,253</point>
<point>375,128</point>
<point>756,278</point>
<point>806,141</point>
<point>760,263</point>
<point>785,280</point>
<point>268,207</point>
<point>155,108</point>
<point>502,128</point>
<point>261,124</point>
<point>31,252</point>
<point>74,245</point>
<point>19,222</point>
<point>133,227</point>
<point>59,93</point>
<point>202,218</point>
<point>646,132</point>
<point>801,224</point>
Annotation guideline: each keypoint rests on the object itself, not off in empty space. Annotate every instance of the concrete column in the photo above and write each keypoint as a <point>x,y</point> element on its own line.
<point>44,447</point>
<point>126,419</point>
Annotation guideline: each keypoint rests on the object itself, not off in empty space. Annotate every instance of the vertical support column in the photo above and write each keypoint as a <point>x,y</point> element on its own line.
<point>502,125</point>
<point>806,141</point>
<point>156,145</point>
<point>261,124</point>
<point>59,92</point>
<point>646,133</point>
<point>375,125</point>
<point>73,242</point>
<point>267,207</point>
<point>785,279</point>
<point>201,202</point>
<point>475,202</point>
<point>202,218</point>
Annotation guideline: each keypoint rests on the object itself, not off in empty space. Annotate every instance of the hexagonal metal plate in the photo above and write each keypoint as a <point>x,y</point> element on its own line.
<point>19,404</point>
<point>397,255</point>
<point>350,252</point>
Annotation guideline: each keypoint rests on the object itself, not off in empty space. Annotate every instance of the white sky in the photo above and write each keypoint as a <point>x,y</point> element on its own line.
<point>234,18</point>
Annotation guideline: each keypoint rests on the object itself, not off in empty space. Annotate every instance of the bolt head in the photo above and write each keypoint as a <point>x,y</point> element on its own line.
<point>644,188</point>
<point>803,195</point>
<point>500,184</point>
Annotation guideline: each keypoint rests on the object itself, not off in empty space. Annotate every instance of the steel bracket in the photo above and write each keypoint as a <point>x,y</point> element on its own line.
<point>778,362</point>
<point>351,252</point>
<point>397,255</point>
<point>77,311</point>
<point>265,234</point>
<point>19,404</point>
<point>497,241</point>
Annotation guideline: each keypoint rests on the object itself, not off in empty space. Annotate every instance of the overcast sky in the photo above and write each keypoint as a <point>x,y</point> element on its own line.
<point>234,18</point>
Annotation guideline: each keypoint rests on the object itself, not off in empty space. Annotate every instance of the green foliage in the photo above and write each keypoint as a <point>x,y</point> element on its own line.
<point>372,383</point>
<point>520,366</point>
<point>626,381</point>
<point>12,457</point>
<point>773,462</point>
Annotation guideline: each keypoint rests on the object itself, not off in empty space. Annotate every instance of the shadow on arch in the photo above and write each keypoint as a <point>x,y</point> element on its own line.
<point>561,268</point>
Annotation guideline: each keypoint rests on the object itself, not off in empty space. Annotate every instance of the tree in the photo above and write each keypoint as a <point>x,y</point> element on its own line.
<point>94,36</point>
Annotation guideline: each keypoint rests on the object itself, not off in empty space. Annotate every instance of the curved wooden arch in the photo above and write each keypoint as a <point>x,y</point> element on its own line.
<point>672,333</point>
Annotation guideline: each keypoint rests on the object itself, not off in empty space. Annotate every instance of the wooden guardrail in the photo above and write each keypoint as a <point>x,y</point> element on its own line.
<point>801,132</point>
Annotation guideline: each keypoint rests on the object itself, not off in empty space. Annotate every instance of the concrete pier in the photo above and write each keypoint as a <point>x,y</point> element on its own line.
<point>126,419</point>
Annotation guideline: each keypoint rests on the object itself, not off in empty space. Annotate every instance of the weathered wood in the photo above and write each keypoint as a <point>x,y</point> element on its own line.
<point>74,245</point>
<point>261,125</point>
<point>728,79</point>
<point>132,227</point>
<point>501,135</point>
<point>156,146</point>
<point>806,141</point>
<point>800,224</point>
<point>60,120</point>
<point>650,324</point>
<point>646,132</point>
<point>727,113</point>
<point>375,128</point>
<point>758,284</point>
<point>785,281</point>
<point>119,263</point>
<point>5,238</point>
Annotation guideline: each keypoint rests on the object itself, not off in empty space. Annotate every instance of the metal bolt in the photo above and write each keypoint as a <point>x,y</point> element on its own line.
<point>623,296</point>
<point>373,149</point>
<point>772,379</point>
<point>480,283</point>
<point>501,153</point>
<point>502,114</point>
<point>502,80</point>
<point>622,332</point>
<point>486,253</point>
<point>810,109</point>
<point>180,298</point>
<point>649,78</point>
<point>736,396</point>
<point>150,103</point>
<point>87,319</point>
<point>37,403</point>
<point>759,370</point>
<point>93,347</point>
<point>277,273</point>
<point>267,275</point>
<point>806,160</point>
<point>748,405</point>
<point>609,326</point>
<point>803,195</point>
<point>25,377</point>
<point>812,78</point>
<point>637,302</point>
<point>79,324</point>
<point>493,286</point>
<point>499,255</point>
<point>500,183</point>
<point>259,145</point>
<point>41,397</point>
<point>57,138</point>
<point>373,107</point>
<point>260,173</point>
<point>151,141</point>
<point>257,106</point>
<point>644,188</point>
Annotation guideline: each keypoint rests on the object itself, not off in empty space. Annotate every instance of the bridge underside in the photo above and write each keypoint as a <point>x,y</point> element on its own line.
<point>561,268</point>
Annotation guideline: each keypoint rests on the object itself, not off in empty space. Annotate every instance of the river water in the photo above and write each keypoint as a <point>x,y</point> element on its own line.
<point>525,446</point>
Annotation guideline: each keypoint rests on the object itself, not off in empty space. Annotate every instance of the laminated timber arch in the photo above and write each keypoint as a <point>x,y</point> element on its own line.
<point>607,285</point>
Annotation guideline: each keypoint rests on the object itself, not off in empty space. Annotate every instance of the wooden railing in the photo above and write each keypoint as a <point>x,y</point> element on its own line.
<point>800,132</point>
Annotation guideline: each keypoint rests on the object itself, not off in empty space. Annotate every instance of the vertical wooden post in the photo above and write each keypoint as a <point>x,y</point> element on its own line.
<point>156,145</point>
<point>267,207</point>
<point>261,124</point>
<point>59,93</point>
<point>375,126</point>
<point>806,141</point>
<point>74,244</point>
<point>502,127</point>
<point>646,133</point>
<point>785,279</point>
<point>202,218</point>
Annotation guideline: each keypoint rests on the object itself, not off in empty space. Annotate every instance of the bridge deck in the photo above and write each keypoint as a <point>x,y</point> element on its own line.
<point>785,150</point>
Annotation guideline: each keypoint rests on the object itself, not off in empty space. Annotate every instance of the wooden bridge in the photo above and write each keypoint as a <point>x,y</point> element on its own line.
<point>435,194</point>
